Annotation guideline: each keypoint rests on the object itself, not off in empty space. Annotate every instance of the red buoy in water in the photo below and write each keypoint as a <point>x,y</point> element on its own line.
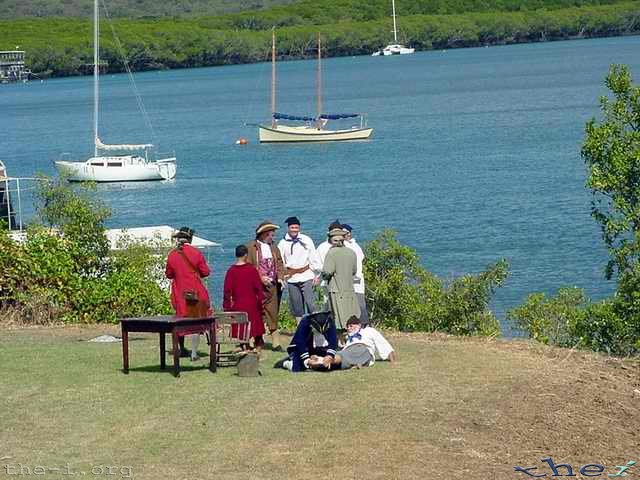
<point>242,141</point>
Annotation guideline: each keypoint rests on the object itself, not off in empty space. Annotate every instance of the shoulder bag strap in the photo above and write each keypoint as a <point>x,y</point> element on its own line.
<point>188,262</point>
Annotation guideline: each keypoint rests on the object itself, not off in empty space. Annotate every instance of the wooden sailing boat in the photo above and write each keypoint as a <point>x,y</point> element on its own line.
<point>314,129</point>
<point>394,48</point>
<point>114,167</point>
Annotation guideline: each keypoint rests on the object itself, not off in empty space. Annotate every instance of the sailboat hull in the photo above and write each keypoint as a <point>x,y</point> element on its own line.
<point>287,134</point>
<point>117,169</point>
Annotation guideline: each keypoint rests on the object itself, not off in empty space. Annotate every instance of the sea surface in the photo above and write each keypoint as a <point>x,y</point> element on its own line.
<point>475,154</point>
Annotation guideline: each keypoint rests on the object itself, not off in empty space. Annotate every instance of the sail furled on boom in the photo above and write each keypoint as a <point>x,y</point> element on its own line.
<point>324,116</point>
<point>338,116</point>
<point>103,146</point>
<point>284,116</point>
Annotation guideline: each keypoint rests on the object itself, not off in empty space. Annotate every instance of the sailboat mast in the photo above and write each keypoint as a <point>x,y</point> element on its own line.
<point>395,30</point>
<point>96,74</point>
<point>273,76</point>
<point>319,82</point>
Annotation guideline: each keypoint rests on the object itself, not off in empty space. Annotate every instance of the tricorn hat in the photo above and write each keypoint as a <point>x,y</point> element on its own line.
<point>266,226</point>
<point>333,225</point>
<point>337,233</point>
<point>184,232</point>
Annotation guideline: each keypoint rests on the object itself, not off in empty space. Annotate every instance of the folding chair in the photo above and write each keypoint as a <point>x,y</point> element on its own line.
<point>232,330</point>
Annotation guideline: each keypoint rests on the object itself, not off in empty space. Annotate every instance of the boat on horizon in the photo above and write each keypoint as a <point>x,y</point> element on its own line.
<point>314,128</point>
<point>114,166</point>
<point>394,48</point>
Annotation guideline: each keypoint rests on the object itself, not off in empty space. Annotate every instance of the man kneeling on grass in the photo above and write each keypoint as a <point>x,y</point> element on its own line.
<point>364,345</point>
<point>318,325</point>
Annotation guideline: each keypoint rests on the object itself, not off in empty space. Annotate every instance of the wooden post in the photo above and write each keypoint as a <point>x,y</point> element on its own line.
<point>125,350</point>
<point>213,351</point>
<point>163,363</point>
<point>176,353</point>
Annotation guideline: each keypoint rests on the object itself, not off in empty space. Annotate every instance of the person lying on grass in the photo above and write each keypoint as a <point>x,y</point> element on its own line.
<point>364,345</point>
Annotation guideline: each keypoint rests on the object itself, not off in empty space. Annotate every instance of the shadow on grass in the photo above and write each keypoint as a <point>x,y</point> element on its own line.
<point>169,368</point>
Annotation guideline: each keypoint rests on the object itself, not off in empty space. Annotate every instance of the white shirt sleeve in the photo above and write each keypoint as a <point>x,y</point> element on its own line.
<point>382,347</point>
<point>314,259</point>
<point>321,252</point>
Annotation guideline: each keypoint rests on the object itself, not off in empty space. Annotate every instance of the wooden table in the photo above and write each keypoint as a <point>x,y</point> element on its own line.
<point>168,324</point>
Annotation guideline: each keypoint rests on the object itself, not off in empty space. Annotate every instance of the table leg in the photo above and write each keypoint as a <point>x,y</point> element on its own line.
<point>163,351</point>
<point>176,354</point>
<point>213,360</point>
<point>125,350</point>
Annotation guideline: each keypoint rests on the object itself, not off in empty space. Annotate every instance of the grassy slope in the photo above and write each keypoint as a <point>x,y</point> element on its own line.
<point>452,408</point>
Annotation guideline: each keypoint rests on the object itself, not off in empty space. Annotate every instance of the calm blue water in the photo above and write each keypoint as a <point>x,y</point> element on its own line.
<point>475,154</point>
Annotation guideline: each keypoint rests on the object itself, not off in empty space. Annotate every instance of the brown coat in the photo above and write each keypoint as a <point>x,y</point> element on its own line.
<point>272,293</point>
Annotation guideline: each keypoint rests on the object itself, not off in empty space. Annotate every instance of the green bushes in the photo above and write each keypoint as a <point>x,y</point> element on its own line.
<point>551,320</point>
<point>611,152</point>
<point>64,270</point>
<point>570,320</point>
<point>402,295</point>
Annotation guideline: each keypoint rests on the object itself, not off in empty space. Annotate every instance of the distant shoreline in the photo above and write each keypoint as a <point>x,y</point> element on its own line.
<point>62,47</point>
<point>44,75</point>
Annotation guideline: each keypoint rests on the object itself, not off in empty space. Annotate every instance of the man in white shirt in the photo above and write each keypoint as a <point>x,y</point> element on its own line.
<point>301,262</point>
<point>358,279</point>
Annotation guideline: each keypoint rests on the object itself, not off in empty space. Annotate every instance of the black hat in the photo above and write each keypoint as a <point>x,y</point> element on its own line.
<point>185,232</point>
<point>292,221</point>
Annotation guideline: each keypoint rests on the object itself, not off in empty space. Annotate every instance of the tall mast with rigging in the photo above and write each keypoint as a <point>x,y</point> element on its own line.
<point>319,82</point>
<point>273,76</point>
<point>395,30</point>
<point>96,74</point>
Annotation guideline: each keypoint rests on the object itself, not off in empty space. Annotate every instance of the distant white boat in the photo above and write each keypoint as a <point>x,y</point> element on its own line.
<point>314,129</point>
<point>395,48</point>
<point>115,167</point>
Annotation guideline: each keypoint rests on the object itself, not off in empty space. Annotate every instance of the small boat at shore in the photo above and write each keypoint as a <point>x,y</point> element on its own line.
<point>314,128</point>
<point>116,166</point>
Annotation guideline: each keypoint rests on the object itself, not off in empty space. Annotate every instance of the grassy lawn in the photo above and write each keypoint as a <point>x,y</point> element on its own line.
<point>451,408</point>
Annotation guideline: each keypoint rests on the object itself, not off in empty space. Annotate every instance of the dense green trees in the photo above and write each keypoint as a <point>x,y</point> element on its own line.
<point>62,46</point>
<point>10,9</point>
<point>612,154</point>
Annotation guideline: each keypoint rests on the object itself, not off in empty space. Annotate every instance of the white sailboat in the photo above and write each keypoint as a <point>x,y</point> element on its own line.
<point>113,165</point>
<point>314,129</point>
<point>394,48</point>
